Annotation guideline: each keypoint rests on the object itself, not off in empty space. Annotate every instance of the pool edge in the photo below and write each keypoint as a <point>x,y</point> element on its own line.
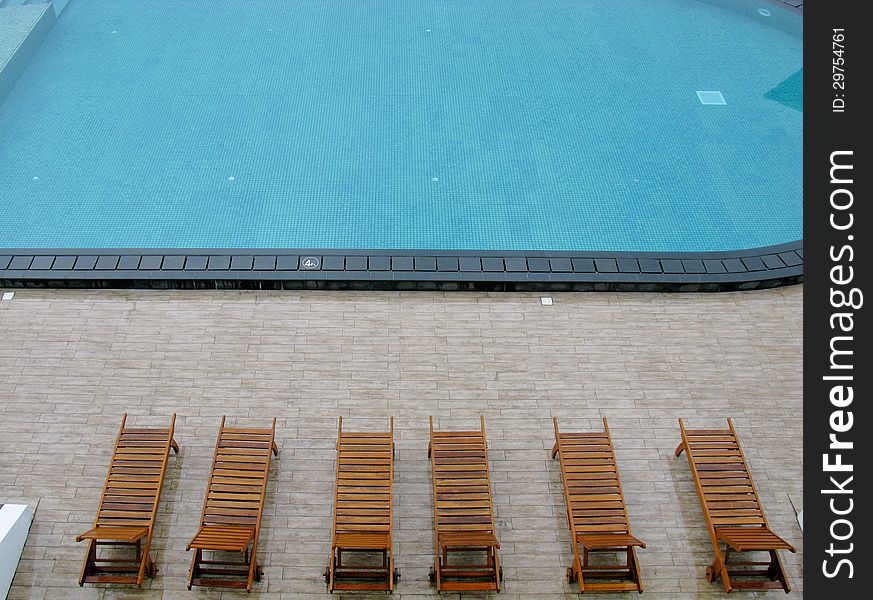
<point>330,269</point>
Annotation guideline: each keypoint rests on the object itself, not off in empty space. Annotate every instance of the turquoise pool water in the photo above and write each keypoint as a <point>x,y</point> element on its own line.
<point>440,124</point>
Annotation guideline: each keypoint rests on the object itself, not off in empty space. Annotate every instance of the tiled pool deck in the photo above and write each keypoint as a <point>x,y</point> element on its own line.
<point>72,361</point>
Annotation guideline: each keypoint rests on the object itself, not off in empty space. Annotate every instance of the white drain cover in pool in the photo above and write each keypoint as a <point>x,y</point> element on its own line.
<point>711,98</point>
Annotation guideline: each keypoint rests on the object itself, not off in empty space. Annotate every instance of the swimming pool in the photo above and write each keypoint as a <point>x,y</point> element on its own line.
<point>672,126</point>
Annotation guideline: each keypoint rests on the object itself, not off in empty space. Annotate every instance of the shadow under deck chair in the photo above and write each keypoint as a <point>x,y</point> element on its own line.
<point>129,505</point>
<point>463,512</point>
<point>596,511</point>
<point>363,510</point>
<point>732,509</point>
<point>233,507</point>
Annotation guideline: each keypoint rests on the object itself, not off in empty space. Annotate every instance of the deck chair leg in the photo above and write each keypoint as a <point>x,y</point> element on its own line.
<point>391,573</point>
<point>679,448</point>
<point>195,563</point>
<point>717,569</point>
<point>771,568</point>
<point>778,571</point>
<point>726,578</point>
<point>253,569</point>
<point>635,569</point>
<point>496,568</point>
<point>142,555</point>
<point>576,568</point>
<point>438,571</point>
<point>90,556</point>
<point>554,450</point>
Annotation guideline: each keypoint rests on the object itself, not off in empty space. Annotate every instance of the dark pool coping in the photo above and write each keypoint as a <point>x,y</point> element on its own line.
<point>272,269</point>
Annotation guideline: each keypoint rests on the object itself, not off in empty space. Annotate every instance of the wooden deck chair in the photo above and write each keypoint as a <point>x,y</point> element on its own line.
<point>732,510</point>
<point>463,514</point>
<point>363,510</point>
<point>596,512</point>
<point>233,508</point>
<point>129,505</point>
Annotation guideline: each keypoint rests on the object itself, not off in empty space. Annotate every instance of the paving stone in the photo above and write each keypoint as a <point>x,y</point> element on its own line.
<point>73,361</point>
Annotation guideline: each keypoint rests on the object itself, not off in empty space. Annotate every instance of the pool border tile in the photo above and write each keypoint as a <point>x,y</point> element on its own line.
<point>238,268</point>
<point>21,262</point>
<point>194,263</point>
<point>42,262</point>
<point>356,263</point>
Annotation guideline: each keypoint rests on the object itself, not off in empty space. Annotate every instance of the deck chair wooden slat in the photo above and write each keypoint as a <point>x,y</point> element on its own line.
<point>596,511</point>
<point>463,511</point>
<point>129,505</point>
<point>732,510</point>
<point>233,507</point>
<point>363,511</point>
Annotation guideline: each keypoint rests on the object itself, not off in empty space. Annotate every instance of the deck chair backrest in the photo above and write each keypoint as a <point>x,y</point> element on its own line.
<point>461,480</point>
<point>722,477</point>
<point>364,476</point>
<point>592,484</point>
<point>132,491</point>
<point>238,481</point>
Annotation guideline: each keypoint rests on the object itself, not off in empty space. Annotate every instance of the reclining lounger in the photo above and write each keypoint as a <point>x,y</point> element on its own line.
<point>362,511</point>
<point>129,505</point>
<point>233,507</point>
<point>462,511</point>
<point>596,511</point>
<point>732,509</point>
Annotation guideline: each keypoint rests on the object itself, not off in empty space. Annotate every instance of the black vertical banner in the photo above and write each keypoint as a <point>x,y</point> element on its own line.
<point>838,61</point>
